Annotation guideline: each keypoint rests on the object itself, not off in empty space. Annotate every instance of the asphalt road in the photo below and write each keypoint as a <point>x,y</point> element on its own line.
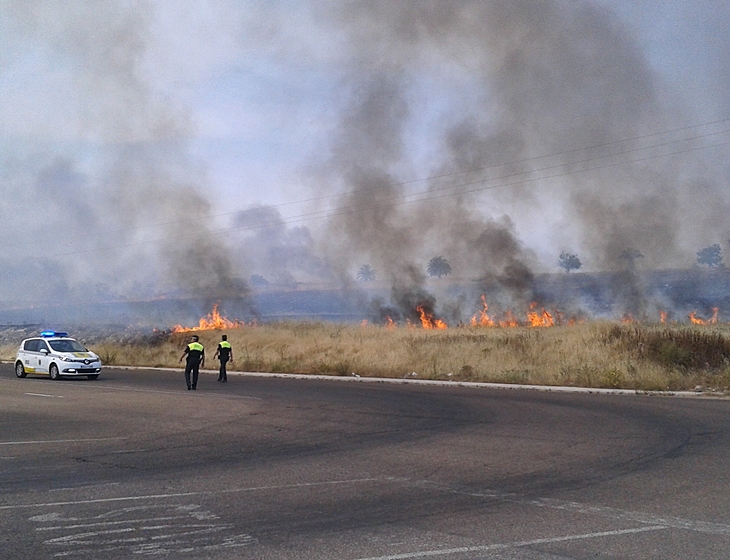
<point>134,465</point>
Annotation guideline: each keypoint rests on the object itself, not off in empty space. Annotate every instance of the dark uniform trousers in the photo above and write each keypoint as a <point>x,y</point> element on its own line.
<point>192,366</point>
<point>222,375</point>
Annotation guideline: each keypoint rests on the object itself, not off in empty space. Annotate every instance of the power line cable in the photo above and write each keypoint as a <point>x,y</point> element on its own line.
<point>523,161</point>
<point>435,194</point>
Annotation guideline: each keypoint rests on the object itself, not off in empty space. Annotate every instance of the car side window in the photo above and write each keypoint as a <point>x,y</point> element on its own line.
<point>42,345</point>
<point>31,345</point>
<point>62,346</point>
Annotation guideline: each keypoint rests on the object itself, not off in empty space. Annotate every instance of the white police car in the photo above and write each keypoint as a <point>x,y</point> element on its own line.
<point>54,353</point>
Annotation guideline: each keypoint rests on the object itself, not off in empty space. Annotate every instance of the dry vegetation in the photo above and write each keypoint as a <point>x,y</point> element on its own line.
<point>593,354</point>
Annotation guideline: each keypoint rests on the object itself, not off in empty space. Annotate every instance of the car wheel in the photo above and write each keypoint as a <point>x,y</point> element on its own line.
<point>92,377</point>
<point>20,370</point>
<point>53,370</point>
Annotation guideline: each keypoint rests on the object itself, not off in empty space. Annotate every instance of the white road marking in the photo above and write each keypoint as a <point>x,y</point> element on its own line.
<point>77,538</point>
<point>189,510</point>
<point>102,523</point>
<point>159,392</point>
<point>102,386</point>
<point>186,494</point>
<point>42,395</point>
<point>36,442</point>
<point>637,516</point>
<point>102,500</point>
<point>613,513</point>
<point>577,507</point>
<point>517,544</point>
<point>103,532</point>
<point>159,549</point>
<point>82,486</point>
<point>108,525</point>
<point>178,528</point>
<point>201,529</point>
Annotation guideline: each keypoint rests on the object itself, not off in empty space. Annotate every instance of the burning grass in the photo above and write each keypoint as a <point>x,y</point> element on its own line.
<point>591,354</point>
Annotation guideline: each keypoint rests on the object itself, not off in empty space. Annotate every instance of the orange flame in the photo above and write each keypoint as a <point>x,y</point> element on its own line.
<point>428,321</point>
<point>663,316</point>
<point>534,318</point>
<point>484,319</point>
<point>389,323</point>
<point>210,322</point>
<point>543,319</point>
<point>697,321</point>
<point>509,320</point>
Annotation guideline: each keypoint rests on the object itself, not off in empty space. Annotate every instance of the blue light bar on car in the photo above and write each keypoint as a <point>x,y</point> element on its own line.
<point>49,334</point>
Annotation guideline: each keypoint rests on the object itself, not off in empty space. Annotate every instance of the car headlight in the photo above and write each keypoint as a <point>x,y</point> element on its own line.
<point>65,359</point>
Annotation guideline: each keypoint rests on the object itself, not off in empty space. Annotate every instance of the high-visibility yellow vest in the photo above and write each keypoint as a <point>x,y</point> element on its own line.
<point>224,344</point>
<point>195,346</point>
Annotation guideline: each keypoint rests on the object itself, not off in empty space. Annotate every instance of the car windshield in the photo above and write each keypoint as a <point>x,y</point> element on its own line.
<point>66,346</point>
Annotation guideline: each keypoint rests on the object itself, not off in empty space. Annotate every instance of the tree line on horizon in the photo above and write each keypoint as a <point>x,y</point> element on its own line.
<point>710,256</point>
<point>438,266</point>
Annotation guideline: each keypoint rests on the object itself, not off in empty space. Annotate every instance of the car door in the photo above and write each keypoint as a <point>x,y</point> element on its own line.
<point>32,356</point>
<point>29,355</point>
<point>43,354</point>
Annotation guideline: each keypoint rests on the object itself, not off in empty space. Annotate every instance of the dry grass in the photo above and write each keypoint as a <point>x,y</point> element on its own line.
<point>593,354</point>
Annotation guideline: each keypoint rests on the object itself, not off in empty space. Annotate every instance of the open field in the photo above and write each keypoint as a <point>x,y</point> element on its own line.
<point>592,354</point>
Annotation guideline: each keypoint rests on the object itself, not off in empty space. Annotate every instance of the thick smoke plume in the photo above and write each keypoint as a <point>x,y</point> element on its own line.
<point>110,190</point>
<point>496,134</point>
<point>539,79</point>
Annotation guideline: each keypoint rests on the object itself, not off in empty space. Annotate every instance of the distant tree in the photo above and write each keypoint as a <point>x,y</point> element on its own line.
<point>711,256</point>
<point>438,266</point>
<point>630,255</point>
<point>366,273</point>
<point>258,281</point>
<point>569,262</point>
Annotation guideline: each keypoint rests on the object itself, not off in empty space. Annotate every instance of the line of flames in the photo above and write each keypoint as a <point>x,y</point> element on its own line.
<point>693,319</point>
<point>212,321</point>
<point>534,318</point>
<point>215,321</point>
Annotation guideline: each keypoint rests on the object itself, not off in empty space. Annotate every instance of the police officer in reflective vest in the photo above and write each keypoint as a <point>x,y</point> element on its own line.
<point>196,359</point>
<point>224,352</point>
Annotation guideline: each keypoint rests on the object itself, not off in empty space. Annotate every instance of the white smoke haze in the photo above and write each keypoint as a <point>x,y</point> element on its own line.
<point>148,150</point>
<point>132,146</point>
<point>281,255</point>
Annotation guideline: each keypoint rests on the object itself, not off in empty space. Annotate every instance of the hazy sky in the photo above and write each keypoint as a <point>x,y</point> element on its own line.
<point>119,115</point>
<point>259,83</point>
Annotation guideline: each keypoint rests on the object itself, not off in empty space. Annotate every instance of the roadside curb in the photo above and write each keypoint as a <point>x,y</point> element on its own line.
<point>441,383</point>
